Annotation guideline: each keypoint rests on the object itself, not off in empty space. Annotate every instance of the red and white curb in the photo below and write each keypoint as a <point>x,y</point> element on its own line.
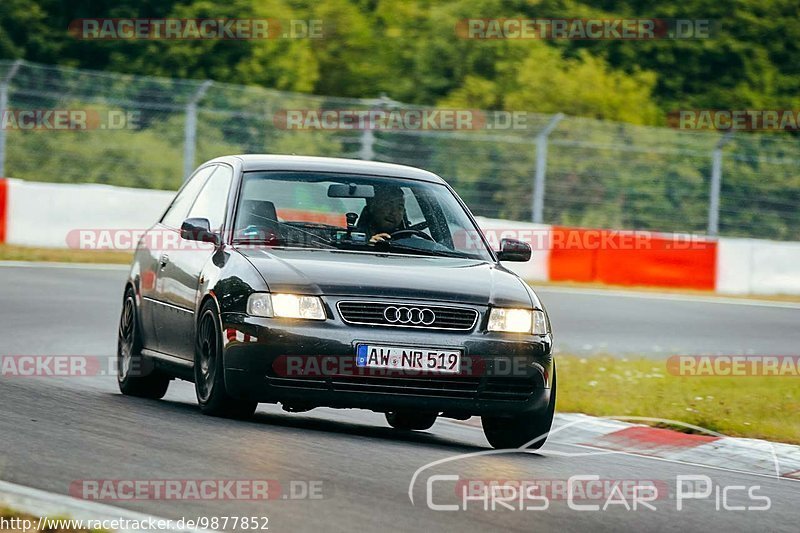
<point>40,503</point>
<point>702,447</point>
<point>234,335</point>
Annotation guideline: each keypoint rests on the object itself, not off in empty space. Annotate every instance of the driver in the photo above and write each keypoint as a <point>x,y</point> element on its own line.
<point>384,214</point>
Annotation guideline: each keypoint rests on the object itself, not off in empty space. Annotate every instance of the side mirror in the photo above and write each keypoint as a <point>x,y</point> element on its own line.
<point>198,229</point>
<point>514,250</point>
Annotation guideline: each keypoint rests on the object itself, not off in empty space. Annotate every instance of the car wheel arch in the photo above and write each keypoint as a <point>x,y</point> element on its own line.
<point>211,297</point>
<point>208,297</point>
<point>130,285</point>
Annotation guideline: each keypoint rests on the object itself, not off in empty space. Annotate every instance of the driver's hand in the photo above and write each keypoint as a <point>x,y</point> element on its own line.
<point>380,237</point>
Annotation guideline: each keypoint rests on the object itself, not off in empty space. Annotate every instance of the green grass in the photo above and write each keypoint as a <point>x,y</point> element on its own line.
<point>10,252</point>
<point>763,407</point>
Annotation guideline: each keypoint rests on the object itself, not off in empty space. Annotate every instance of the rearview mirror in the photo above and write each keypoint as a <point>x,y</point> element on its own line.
<point>350,190</point>
<point>198,229</point>
<point>514,250</point>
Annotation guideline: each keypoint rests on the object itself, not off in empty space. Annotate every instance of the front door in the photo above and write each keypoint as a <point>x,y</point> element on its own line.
<point>179,279</point>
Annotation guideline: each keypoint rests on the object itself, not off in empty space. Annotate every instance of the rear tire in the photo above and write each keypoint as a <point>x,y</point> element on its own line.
<point>136,374</point>
<point>209,371</point>
<point>411,421</point>
<point>518,431</point>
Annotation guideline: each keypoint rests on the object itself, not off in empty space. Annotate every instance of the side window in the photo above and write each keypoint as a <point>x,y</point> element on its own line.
<point>439,224</point>
<point>213,199</point>
<point>413,210</point>
<point>177,212</point>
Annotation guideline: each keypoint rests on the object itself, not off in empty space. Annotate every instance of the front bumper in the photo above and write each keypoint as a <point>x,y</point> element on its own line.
<point>306,364</point>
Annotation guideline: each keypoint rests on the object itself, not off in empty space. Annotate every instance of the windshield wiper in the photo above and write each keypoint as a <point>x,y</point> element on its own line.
<point>427,252</point>
<point>280,243</point>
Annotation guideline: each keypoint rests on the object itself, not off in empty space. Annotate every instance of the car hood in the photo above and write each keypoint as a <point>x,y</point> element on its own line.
<point>340,273</point>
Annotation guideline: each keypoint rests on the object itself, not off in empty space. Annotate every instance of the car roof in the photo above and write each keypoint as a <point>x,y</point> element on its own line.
<point>255,162</point>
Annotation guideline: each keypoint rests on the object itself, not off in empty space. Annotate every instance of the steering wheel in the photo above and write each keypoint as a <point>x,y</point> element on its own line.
<point>410,232</point>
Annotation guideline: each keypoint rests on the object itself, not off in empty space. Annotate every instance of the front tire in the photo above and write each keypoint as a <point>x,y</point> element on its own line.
<point>411,421</point>
<point>518,431</point>
<point>136,375</point>
<point>209,371</point>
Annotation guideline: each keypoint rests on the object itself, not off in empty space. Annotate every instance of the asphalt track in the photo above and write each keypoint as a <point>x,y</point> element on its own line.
<point>56,431</point>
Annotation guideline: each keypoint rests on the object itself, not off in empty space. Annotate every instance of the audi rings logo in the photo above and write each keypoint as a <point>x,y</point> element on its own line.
<point>409,315</point>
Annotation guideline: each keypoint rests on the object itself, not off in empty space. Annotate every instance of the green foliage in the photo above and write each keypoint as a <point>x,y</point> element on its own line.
<point>546,82</point>
<point>126,158</point>
<point>410,50</point>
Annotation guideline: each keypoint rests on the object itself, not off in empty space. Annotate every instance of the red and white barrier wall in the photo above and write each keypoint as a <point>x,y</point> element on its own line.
<point>753,266</point>
<point>44,214</point>
<point>651,259</point>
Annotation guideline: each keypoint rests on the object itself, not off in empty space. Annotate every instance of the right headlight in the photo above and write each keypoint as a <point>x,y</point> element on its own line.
<point>518,321</point>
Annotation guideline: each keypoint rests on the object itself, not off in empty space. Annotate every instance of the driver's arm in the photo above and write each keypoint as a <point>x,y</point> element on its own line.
<point>380,237</point>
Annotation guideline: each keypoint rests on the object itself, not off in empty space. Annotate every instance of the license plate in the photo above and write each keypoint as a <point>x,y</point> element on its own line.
<point>408,358</point>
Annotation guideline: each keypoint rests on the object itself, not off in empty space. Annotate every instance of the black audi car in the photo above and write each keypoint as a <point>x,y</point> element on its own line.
<point>315,282</point>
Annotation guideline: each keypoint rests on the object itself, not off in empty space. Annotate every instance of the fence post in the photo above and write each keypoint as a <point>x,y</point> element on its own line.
<point>367,150</point>
<point>541,168</point>
<point>190,129</point>
<point>367,139</point>
<point>3,108</point>
<point>716,185</point>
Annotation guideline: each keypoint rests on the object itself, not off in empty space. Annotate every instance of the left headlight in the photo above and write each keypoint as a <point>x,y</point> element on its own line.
<point>286,306</point>
<point>518,321</point>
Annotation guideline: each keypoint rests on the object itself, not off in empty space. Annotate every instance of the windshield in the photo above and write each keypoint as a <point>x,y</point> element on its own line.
<point>355,212</point>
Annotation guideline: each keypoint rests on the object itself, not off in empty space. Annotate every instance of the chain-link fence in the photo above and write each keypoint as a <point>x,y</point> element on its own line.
<point>148,132</point>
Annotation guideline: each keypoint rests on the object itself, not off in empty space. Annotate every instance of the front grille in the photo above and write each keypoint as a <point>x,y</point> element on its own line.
<point>456,387</point>
<point>508,388</point>
<point>406,315</point>
<point>464,388</point>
